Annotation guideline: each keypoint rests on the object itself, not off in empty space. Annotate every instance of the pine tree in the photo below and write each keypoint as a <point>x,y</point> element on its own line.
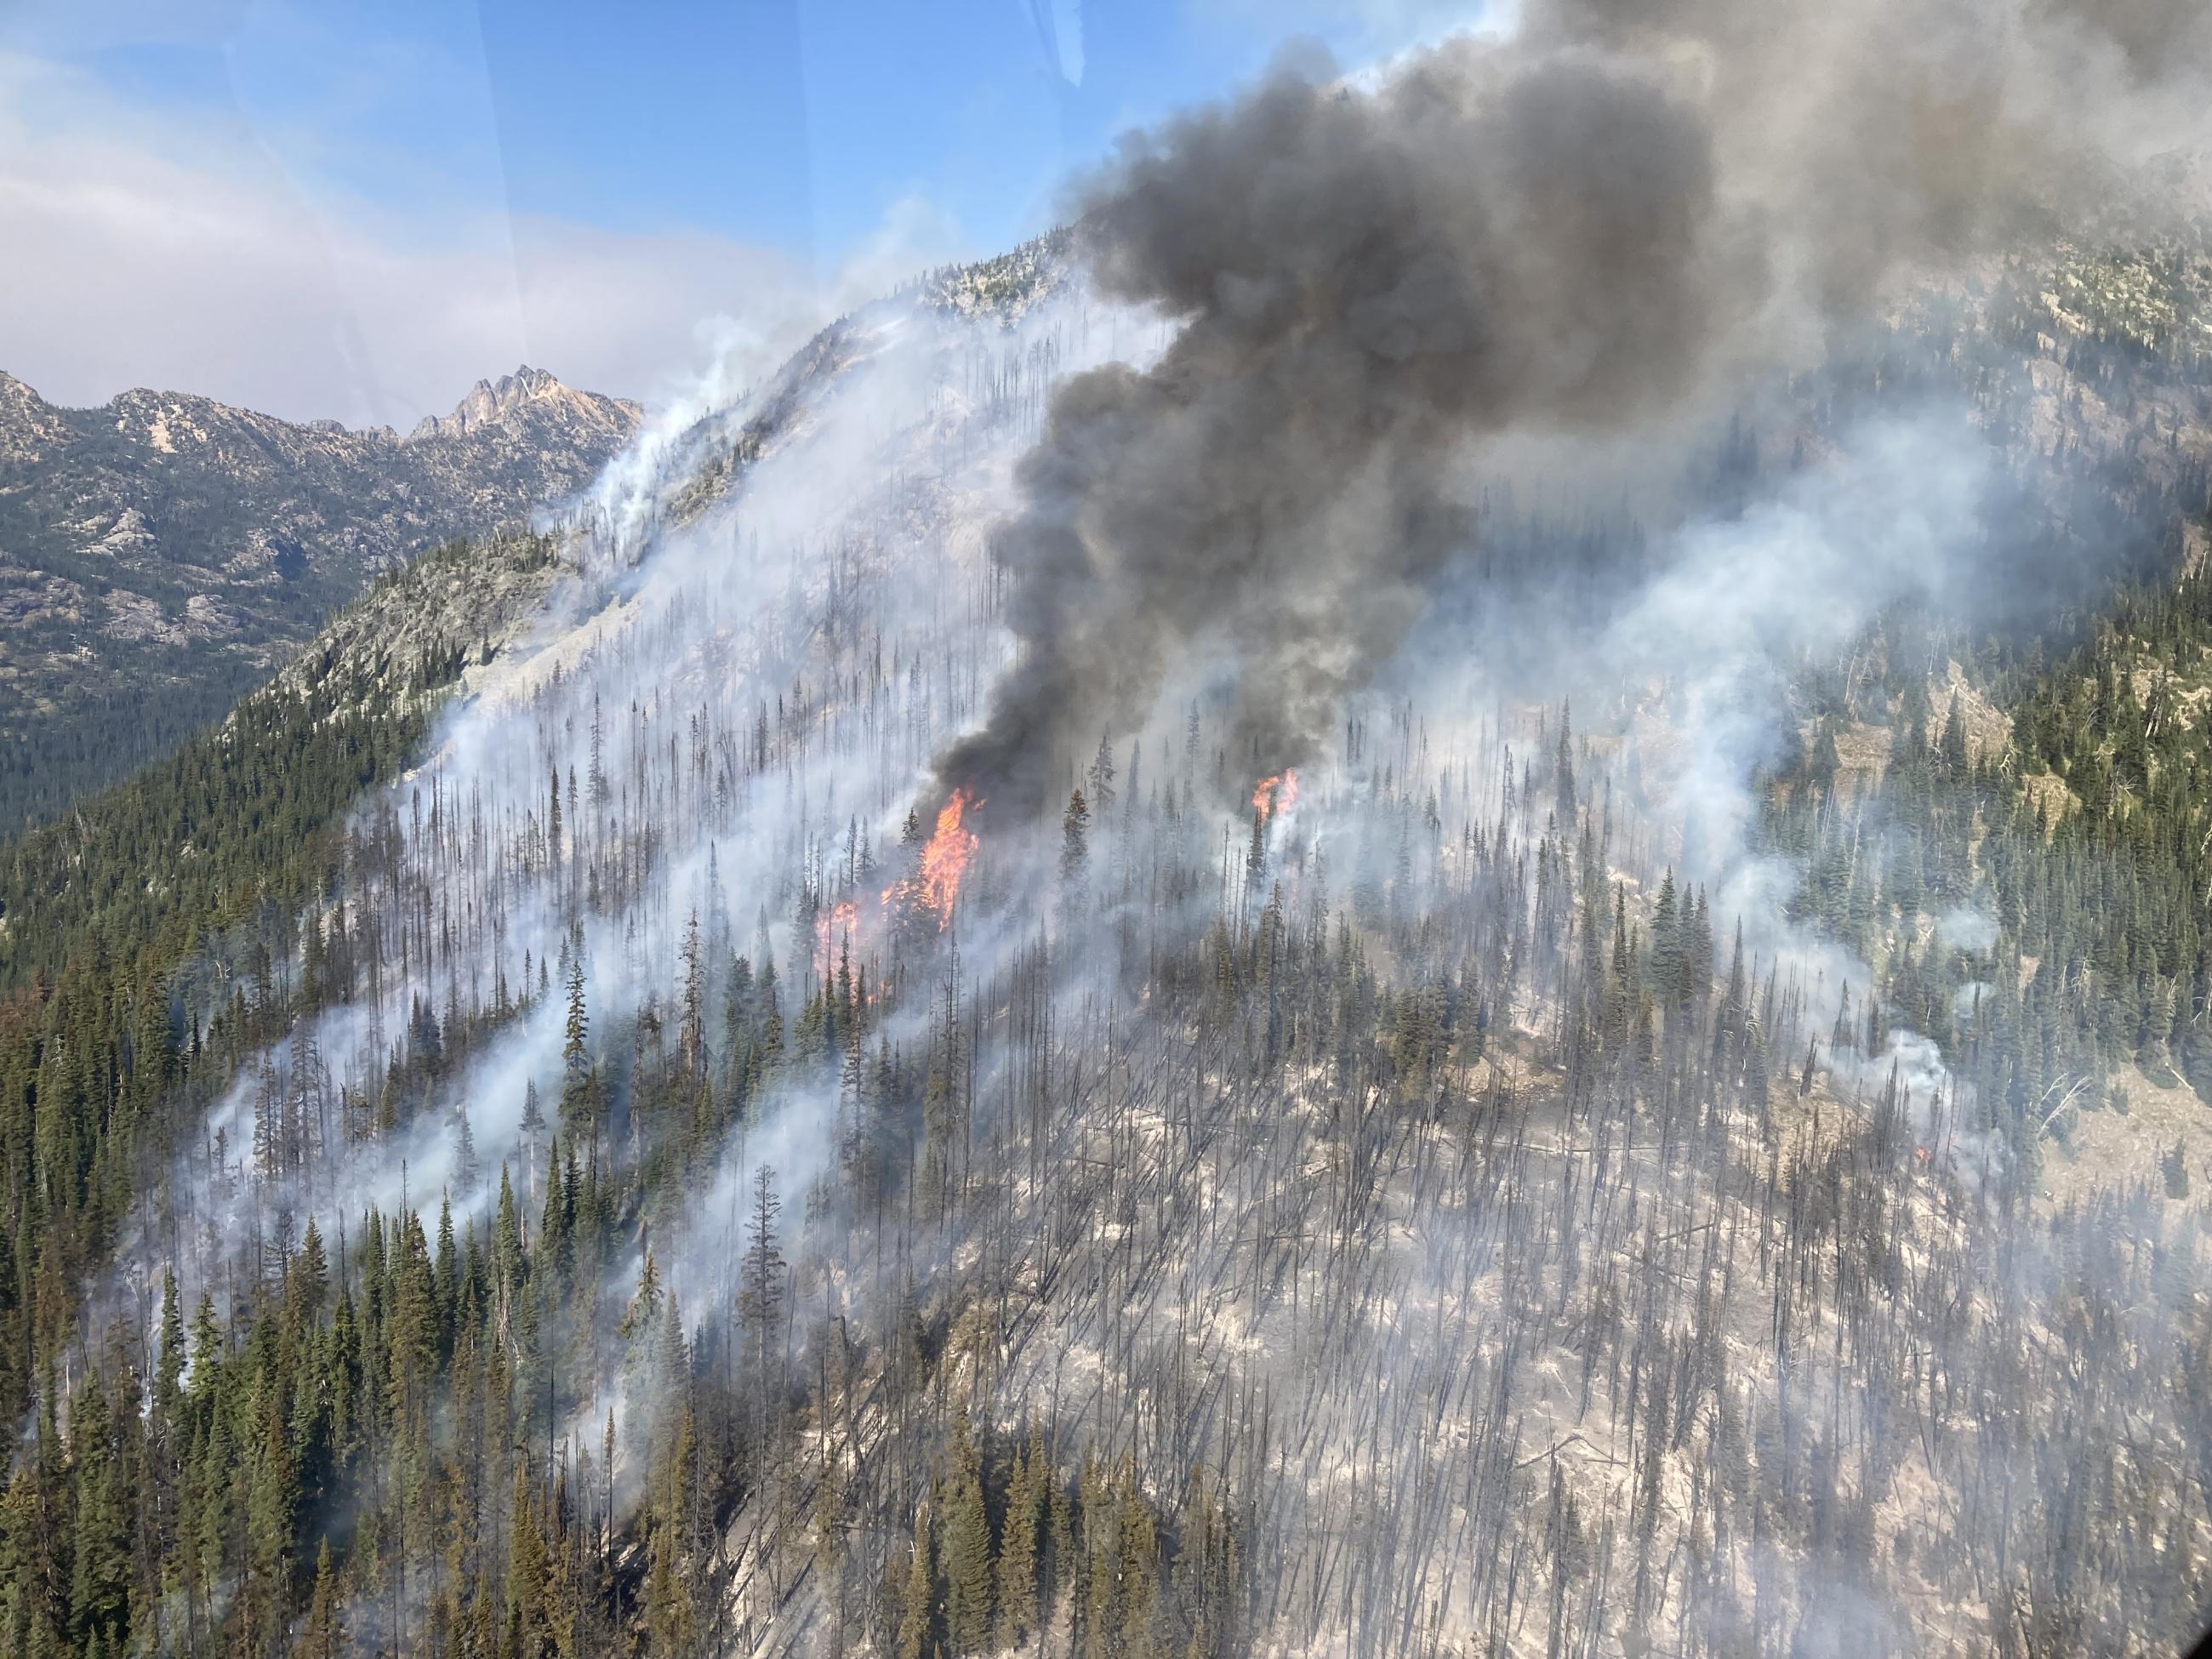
<point>1099,1518</point>
<point>641,1329</point>
<point>576,1058</point>
<point>1018,1552</point>
<point>532,1127</point>
<point>1102,776</point>
<point>1665,969</point>
<point>528,1565</point>
<point>1137,1570</point>
<point>760,1298</point>
<point>272,1505</point>
<point>1074,833</point>
<point>100,1543</point>
<point>917,1601</point>
<point>553,822</point>
<point>467,1170</point>
<point>966,1550</point>
<point>1563,770</point>
<point>667,1604</point>
<point>1953,747</point>
<point>323,1635</point>
<point>692,1028</point>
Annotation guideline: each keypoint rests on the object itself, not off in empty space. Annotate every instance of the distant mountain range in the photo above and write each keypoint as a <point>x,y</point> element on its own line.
<point>160,554</point>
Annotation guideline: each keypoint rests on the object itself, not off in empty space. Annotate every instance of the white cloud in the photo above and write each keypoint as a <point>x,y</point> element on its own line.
<point>161,250</point>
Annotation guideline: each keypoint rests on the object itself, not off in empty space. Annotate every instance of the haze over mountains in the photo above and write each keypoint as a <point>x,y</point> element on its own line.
<point>162,553</point>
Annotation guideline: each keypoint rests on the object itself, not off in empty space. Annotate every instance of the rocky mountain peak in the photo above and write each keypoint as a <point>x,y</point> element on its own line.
<point>491,401</point>
<point>28,423</point>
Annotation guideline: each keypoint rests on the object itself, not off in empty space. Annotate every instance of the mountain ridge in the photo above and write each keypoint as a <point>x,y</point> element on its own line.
<point>488,400</point>
<point>494,400</point>
<point>162,552</point>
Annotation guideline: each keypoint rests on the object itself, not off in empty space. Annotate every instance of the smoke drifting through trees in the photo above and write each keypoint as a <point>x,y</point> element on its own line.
<point>1599,224</point>
<point>1521,1262</point>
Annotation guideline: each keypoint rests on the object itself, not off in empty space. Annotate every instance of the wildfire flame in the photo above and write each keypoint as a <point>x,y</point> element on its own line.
<point>831,928</point>
<point>943,861</point>
<point>1276,795</point>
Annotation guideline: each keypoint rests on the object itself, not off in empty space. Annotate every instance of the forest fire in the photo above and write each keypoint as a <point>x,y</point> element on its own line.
<point>1276,794</point>
<point>943,860</point>
<point>832,929</point>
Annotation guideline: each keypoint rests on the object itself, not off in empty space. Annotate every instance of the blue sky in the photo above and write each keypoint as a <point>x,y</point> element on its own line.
<point>628,187</point>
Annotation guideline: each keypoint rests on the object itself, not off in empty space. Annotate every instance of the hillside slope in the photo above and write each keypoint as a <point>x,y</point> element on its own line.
<point>654,1168</point>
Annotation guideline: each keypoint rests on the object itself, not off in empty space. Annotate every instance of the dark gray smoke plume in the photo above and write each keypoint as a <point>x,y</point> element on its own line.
<point>1573,232</point>
<point>1363,278</point>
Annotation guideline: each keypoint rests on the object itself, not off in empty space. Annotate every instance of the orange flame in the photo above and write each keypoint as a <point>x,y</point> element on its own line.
<point>1276,795</point>
<point>943,861</point>
<point>830,927</point>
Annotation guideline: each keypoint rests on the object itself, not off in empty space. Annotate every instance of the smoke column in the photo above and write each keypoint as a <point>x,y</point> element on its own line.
<point>1362,279</point>
<point>1594,228</point>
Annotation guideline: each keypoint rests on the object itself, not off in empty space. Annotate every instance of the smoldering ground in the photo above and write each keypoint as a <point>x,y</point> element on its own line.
<point>1610,224</point>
